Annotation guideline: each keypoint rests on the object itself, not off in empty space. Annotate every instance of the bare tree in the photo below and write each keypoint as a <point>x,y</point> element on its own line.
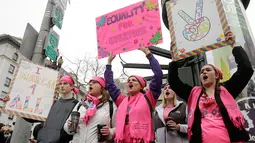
<point>86,68</point>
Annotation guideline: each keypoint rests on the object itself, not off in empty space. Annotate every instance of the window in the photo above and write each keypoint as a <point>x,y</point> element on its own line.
<point>15,56</point>
<point>11,68</point>
<point>7,82</point>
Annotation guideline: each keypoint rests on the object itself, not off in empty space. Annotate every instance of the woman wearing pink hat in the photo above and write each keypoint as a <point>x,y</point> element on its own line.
<point>96,111</point>
<point>133,117</point>
<point>213,114</point>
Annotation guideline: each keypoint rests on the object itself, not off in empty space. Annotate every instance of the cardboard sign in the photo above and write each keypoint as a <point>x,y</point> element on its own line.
<point>31,91</point>
<point>196,26</point>
<point>129,28</point>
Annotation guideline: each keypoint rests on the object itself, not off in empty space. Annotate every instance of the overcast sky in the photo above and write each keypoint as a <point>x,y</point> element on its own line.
<point>78,34</point>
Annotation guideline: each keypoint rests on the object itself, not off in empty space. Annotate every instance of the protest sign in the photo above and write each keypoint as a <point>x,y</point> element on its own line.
<point>129,28</point>
<point>31,91</point>
<point>196,26</point>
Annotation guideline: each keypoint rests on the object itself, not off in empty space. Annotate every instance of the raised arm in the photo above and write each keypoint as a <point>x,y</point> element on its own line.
<point>244,72</point>
<point>156,81</point>
<point>112,88</point>
<point>181,89</point>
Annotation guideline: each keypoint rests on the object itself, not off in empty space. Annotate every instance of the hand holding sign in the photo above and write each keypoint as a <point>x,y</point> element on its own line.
<point>230,38</point>
<point>197,28</point>
<point>111,57</point>
<point>5,98</point>
<point>145,50</point>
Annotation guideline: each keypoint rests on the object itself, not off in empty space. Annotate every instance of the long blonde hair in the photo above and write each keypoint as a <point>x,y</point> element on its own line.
<point>105,95</point>
<point>164,104</point>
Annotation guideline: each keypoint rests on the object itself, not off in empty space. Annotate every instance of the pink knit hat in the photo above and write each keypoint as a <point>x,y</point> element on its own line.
<point>218,71</point>
<point>100,80</point>
<point>68,79</point>
<point>141,80</point>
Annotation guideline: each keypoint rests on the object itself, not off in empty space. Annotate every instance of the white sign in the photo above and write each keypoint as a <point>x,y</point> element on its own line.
<point>195,25</point>
<point>31,93</point>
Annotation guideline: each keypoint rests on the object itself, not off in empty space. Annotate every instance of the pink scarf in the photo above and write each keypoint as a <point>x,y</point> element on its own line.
<point>140,122</point>
<point>91,111</point>
<point>227,99</point>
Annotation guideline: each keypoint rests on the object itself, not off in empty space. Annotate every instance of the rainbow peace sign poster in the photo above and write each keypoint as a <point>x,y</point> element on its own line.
<point>196,26</point>
<point>129,28</point>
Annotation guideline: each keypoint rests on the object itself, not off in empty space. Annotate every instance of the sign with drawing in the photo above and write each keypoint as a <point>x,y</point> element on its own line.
<point>31,91</point>
<point>196,26</point>
<point>129,28</point>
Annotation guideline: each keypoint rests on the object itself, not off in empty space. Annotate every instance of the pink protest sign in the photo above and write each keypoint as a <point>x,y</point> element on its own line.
<point>129,28</point>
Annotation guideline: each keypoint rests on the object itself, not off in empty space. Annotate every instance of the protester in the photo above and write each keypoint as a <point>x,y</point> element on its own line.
<point>96,110</point>
<point>8,133</point>
<point>133,117</point>
<point>213,114</point>
<point>53,132</point>
<point>60,62</point>
<point>2,138</point>
<point>171,119</point>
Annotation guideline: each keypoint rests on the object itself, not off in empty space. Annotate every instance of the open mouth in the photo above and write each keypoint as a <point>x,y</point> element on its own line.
<point>130,86</point>
<point>167,93</point>
<point>90,88</point>
<point>205,77</point>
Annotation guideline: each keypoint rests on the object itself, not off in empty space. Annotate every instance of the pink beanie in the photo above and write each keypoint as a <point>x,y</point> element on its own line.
<point>141,80</point>
<point>68,79</point>
<point>218,71</point>
<point>100,80</point>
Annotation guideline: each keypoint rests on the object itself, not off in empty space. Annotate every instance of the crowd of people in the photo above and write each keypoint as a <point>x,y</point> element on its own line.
<point>206,113</point>
<point>5,133</point>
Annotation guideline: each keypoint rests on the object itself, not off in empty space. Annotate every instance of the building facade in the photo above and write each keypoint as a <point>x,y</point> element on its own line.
<point>9,59</point>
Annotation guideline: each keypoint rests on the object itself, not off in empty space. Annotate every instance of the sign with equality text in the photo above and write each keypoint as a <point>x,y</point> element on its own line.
<point>129,28</point>
<point>31,91</point>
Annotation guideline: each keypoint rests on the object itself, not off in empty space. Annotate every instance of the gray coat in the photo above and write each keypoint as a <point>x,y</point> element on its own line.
<point>162,136</point>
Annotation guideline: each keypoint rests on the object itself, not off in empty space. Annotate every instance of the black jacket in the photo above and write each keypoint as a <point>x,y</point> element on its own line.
<point>234,85</point>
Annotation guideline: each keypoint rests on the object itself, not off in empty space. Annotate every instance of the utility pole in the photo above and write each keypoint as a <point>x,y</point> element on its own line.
<point>38,56</point>
<point>22,130</point>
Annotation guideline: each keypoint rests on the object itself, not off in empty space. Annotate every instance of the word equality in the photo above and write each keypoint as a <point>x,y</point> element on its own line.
<point>124,15</point>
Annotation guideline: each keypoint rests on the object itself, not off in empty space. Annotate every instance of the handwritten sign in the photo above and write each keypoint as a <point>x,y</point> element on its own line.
<point>31,91</point>
<point>129,28</point>
<point>196,26</point>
